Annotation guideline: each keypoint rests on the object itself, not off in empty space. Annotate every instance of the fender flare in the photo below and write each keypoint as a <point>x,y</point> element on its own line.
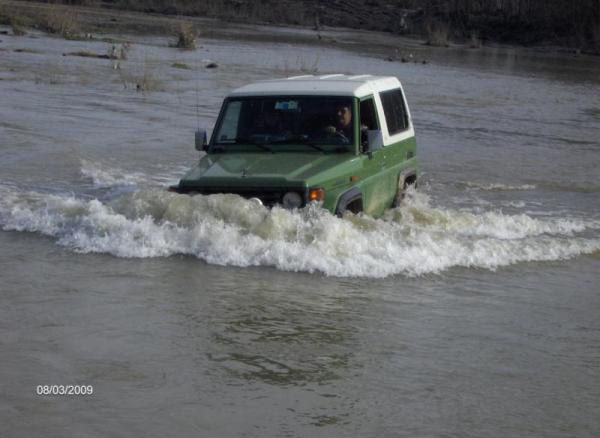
<point>402,177</point>
<point>347,198</point>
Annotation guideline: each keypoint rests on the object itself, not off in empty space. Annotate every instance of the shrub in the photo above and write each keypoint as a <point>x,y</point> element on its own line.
<point>62,22</point>
<point>437,34</point>
<point>4,16</point>
<point>301,65</point>
<point>186,36</point>
<point>18,26</point>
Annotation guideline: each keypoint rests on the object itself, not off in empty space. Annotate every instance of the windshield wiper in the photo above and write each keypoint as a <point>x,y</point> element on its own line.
<point>298,140</point>
<point>314,146</point>
<point>241,141</point>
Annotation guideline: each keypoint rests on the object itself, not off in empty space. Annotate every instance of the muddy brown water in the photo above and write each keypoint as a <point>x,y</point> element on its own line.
<point>470,311</point>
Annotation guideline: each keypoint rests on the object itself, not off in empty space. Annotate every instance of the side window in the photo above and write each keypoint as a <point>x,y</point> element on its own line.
<point>394,110</point>
<point>368,117</point>
<point>368,121</point>
<point>229,125</point>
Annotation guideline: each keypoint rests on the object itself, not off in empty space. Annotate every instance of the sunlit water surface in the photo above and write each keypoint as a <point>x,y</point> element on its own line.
<point>470,311</point>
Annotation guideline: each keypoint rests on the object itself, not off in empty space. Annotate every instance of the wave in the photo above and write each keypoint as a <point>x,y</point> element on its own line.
<point>412,240</point>
<point>111,177</point>
<point>496,186</point>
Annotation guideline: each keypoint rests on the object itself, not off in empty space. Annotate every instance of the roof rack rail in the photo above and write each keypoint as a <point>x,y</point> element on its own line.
<point>291,78</point>
<point>335,75</point>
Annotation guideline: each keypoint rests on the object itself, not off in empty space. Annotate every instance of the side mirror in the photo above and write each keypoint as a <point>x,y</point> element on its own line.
<point>374,140</point>
<point>201,140</point>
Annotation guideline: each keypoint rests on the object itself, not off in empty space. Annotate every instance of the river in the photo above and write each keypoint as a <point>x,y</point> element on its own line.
<point>470,311</point>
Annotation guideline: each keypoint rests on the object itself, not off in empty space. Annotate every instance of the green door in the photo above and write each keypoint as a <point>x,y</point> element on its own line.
<point>375,186</point>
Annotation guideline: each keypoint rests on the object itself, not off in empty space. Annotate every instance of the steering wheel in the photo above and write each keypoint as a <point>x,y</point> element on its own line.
<point>341,136</point>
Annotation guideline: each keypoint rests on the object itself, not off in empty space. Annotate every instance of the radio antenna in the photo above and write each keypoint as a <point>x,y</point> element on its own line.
<point>197,96</point>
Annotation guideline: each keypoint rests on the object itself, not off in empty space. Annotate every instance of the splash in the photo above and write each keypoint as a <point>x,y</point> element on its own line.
<point>415,239</point>
<point>111,177</point>
<point>105,177</point>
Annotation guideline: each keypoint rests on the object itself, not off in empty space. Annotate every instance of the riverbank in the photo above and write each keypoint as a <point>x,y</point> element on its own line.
<point>395,34</point>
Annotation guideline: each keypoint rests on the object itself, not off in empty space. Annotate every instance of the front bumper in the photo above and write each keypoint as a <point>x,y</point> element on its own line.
<point>269,196</point>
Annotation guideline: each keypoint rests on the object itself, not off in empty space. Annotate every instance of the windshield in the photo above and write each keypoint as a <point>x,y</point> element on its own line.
<point>271,122</point>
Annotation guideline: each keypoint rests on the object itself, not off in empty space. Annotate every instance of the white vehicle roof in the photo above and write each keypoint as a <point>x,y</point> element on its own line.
<point>330,85</point>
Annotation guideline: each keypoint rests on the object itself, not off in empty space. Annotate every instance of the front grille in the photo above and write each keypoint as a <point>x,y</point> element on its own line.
<point>267,197</point>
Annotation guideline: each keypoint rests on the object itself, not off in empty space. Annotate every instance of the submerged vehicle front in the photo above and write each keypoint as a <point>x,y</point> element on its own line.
<point>271,147</point>
<point>293,143</point>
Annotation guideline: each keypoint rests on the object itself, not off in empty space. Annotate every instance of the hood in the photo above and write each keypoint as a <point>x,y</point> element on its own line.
<point>249,167</point>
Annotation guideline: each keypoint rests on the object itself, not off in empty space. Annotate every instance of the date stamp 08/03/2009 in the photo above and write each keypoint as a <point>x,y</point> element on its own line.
<point>64,389</point>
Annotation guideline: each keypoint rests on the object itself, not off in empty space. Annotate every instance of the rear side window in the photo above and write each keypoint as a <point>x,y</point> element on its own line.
<point>394,110</point>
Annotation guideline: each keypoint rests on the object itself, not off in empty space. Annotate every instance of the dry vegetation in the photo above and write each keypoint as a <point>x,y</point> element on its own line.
<point>16,22</point>
<point>437,34</point>
<point>186,36</point>
<point>18,26</point>
<point>61,21</point>
<point>558,22</point>
<point>114,53</point>
<point>27,50</point>
<point>571,23</point>
<point>279,11</point>
<point>181,65</point>
<point>139,77</point>
<point>301,64</point>
<point>4,15</point>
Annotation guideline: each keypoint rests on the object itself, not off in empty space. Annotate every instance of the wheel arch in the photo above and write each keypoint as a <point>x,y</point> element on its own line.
<point>350,200</point>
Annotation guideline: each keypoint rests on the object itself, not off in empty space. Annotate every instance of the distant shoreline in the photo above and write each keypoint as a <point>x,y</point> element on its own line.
<point>114,17</point>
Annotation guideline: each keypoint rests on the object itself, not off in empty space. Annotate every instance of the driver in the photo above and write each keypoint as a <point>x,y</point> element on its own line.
<point>343,125</point>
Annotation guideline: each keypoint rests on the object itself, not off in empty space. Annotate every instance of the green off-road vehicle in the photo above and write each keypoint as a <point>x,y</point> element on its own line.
<point>346,142</point>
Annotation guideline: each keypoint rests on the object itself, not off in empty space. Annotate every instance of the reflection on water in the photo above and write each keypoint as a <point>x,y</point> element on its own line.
<point>304,347</point>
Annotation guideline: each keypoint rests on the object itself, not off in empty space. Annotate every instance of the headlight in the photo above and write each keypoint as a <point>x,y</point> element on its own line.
<point>292,200</point>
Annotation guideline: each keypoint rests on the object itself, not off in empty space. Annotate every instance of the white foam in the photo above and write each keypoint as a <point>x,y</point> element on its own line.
<point>103,177</point>
<point>227,230</point>
<point>498,186</point>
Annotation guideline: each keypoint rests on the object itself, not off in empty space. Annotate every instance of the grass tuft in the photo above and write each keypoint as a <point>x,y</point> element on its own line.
<point>180,65</point>
<point>61,21</point>
<point>141,78</point>
<point>18,26</point>
<point>186,36</point>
